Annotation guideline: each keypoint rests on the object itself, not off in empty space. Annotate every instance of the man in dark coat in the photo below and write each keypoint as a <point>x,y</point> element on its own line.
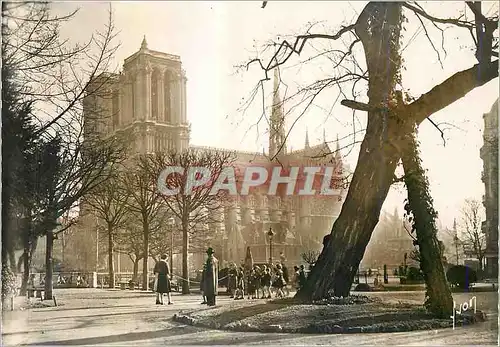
<point>162,271</point>
<point>211,279</point>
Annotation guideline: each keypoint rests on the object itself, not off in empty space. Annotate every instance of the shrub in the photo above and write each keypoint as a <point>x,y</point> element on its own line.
<point>414,274</point>
<point>461,276</point>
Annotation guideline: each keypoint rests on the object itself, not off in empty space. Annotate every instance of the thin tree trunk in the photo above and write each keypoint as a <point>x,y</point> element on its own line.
<point>12,258</point>
<point>379,28</point>
<point>185,258</point>
<point>49,266</point>
<point>136,268</point>
<point>438,294</point>
<point>111,268</point>
<point>26,258</point>
<point>26,262</point>
<point>145,278</point>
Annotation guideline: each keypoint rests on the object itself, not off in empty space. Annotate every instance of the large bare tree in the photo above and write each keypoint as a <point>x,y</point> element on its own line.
<point>194,206</point>
<point>390,134</point>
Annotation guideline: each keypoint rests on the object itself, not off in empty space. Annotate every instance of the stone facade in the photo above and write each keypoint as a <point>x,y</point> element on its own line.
<point>148,101</point>
<point>489,154</point>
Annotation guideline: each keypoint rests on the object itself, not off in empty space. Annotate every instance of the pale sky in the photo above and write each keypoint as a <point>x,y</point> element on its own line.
<point>213,37</point>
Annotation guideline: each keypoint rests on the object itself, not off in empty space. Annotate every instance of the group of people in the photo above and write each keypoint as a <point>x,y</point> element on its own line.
<point>251,280</point>
<point>260,281</point>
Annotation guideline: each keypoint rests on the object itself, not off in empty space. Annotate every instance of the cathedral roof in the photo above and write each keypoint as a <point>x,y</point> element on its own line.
<point>318,153</point>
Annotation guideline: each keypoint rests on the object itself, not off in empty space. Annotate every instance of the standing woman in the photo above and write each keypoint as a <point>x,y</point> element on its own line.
<point>162,271</point>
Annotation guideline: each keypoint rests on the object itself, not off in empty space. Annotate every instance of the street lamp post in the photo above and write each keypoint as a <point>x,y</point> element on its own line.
<point>171,223</point>
<point>270,233</point>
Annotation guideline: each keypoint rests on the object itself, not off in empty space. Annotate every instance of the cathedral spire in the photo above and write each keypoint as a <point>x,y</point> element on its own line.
<point>338,156</point>
<point>277,120</point>
<point>324,136</point>
<point>144,44</point>
<point>307,139</point>
<point>276,81</point>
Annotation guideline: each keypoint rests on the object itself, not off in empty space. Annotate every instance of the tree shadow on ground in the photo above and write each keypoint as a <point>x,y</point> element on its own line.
<point>174,332</point>
<point>138,336</point>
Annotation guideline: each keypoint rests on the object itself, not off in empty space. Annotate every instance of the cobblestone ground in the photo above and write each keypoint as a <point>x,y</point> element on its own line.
<point>130,318</point>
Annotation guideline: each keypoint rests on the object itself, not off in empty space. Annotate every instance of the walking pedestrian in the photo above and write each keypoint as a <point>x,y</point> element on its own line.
<point>211,277</point>
<point>162,272</point>
<point>302,276</point>
<point>232,280</point>
<point>240,285</point>
<point>256,280</point>
<point>286,290</point>
<point>295,281</point>
<point>279,282</point>
<point>266,283</point>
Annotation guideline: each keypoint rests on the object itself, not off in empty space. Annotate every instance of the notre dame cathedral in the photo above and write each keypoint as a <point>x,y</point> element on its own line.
<point>148,99</point>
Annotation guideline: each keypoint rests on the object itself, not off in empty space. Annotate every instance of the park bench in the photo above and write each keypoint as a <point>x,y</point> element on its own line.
<point>123,285</point>
<point>37,292</point>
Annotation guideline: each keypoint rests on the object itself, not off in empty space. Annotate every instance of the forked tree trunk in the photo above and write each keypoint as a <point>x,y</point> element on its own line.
<point>379,28</point>
<point>49,265</point>
<point>145,278</point>
<point>110,257</point>
<point>438,294</point>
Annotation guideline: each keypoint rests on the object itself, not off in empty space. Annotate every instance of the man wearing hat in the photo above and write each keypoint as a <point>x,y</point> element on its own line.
<point>211,277</point>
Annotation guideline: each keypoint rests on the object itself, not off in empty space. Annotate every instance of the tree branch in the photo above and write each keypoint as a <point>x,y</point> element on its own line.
<point>424,14</point>
<point>452,89</point>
